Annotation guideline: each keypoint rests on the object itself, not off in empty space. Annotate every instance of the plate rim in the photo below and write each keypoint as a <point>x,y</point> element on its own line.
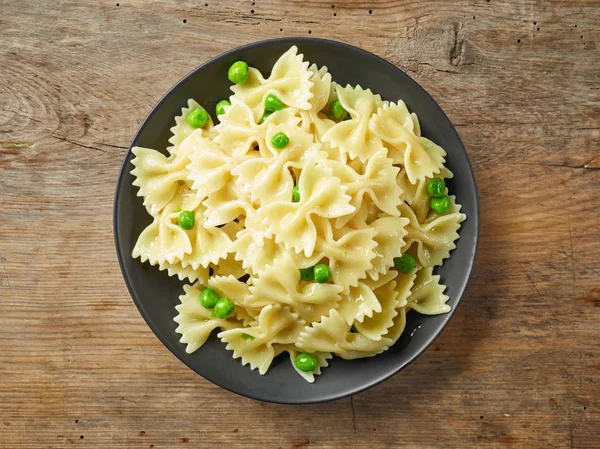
<point>475,216</point>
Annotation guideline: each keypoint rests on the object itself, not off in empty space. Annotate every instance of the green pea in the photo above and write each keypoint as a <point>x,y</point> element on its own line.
<point>186,219</point>
<point>238,72</point>
<point>337,110</point>
<point>272,103</point>
<point>264,117</point>
<point>198,117</point>
<point>224,308</point>
<point>220,108</point>
<point>247,337</point>
<point>307,274</point>
<point>209,298</point>
<point>440,205</point>
<point>436,187</point>
<point>306,362</point>
<point>353,329</point>
<point>296,194</point>
<point>322,273</point>
<point>280,140</point>
<point>404,264</point>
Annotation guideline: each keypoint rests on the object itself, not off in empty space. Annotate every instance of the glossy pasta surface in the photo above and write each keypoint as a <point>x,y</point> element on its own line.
<point>363,201</point>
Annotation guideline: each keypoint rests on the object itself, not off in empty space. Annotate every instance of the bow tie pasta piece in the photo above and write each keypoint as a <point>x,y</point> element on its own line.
<point>420,156</point>
<point>232,288</point>
<point>163,240</point>
<point>335,153</point>
<point>290,81</point>
<point>427,295</point>
<point>238,133</point>
<point>195,322</point>
<point>255,255</point>
<point>333,334</point>
<point>226,205</point>
<point>416,125</point>
<point>321,88</point>
<point>435,239</point>
<point>363,217</point>
<point>229,265</point>
<point>300,150</point>
<point>454,209</point>
<point>255,345</point>
<point>416,194</point>
<point>349,255</point>
<point>354,136</point>
<point>309,376</point>
<point>314,313</point>
<point>280,283</point>
<point>239,293</point>
<point>183,273</point>
<point>422,292</point>
<point>391,232</point>
<point>246,174</point>
<point>232,229</point>
<point>209,243</point>
<point>377,183</point>
<point>183,129</point>
<point>404,284</point>
<point>273,181</point>
<point>210,168</point>
<point>157,176</point>
<point>361,302</point>
<point>395,332</point>
<point>314,121</point>
<point>377,326</point>
<point>269,182</point>
<point>403,287</point>
<point>321,194</point>
<point>248,317</point>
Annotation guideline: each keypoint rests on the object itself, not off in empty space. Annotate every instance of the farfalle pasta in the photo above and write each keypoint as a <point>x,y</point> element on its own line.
<point>308,221</point>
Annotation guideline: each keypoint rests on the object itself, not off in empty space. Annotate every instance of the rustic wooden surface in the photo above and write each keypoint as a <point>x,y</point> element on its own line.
<point>518,366</point>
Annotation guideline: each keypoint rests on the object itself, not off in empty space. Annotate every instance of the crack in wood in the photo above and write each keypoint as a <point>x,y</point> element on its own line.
<point>594,164</point>
<point>541,123</point>
<point>121,147</point>
<point>570,416</point>
<point>574,167</point>
<point>457,50</point>
<point>572,251</point>
<point>88,146</point>
<point>539,294</point>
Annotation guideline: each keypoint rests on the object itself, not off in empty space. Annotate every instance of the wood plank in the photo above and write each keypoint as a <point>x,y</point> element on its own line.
<point>518,366</point>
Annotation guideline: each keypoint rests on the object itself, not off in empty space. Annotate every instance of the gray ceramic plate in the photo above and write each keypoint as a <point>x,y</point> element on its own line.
<point>156,294</point>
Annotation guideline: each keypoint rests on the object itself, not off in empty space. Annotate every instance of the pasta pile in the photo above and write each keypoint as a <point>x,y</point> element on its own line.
<point>363,202</point>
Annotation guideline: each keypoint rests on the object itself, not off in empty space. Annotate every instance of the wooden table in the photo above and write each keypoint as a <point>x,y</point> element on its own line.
<point>518,366</point>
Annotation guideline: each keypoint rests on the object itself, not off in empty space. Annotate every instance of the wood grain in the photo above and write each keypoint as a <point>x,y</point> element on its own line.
<point>518,366</point>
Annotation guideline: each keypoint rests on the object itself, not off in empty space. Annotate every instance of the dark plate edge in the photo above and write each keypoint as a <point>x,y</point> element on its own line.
<point>447,317</point>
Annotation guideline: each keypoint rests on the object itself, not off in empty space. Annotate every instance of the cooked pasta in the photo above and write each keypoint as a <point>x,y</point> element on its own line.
<point>306,221</point>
